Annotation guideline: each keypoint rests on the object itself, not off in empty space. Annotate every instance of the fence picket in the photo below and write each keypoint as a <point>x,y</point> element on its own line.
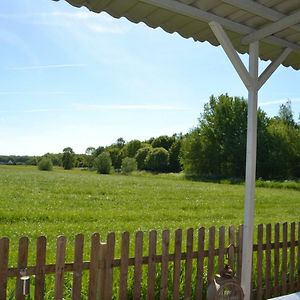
<point>284,259</point>
<point>22,264</point>
<point>151,265</point>
<point>4,254</point>
<point>260,231</point>
<point>138,260</point>
<point>59,267</point>
<point>78,265</point>
<point>164,265</point>
<point>240,252</point>
<point>188,264</point>
<point>177,264</point>
<point>221,249</point>
<point>40,268</point>
<point>93,272</point>
<point>124,266</point>
<point>102,270</point>
<point>109,277</point>
<point>231,253</point>
<point>211,255</point>
<point>276,260</point>
<point>292,259</point>
<point>200,263</point>
<point>268,260</point>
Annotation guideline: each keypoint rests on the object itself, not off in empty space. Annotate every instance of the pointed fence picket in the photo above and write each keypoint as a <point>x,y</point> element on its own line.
<point>164,265</point>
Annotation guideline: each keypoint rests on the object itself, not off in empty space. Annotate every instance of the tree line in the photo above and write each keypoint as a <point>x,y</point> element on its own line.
<point>214,149</point>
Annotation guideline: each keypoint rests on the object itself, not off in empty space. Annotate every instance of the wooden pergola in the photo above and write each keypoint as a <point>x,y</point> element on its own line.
<point>265,29</point>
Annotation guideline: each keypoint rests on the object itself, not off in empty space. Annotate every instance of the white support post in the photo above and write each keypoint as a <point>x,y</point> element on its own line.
<point>253,83</point>
<point>250,171</point>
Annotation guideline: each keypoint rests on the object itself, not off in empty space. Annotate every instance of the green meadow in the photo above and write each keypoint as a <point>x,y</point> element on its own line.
<point>34,203</point>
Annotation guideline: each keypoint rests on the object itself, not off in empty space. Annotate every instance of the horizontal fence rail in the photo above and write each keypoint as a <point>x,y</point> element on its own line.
<point>162,265</point>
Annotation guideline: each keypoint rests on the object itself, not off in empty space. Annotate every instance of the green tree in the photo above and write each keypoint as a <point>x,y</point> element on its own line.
<point>89,156</point>
<point>217,147</point>
<point>103,163</point>
<point>116,156</point>
<point>174,155</point>
<point>163,141</point>
<point>68,158</point>
<point>131,148</point>
<point>129,165</point>
<point>141,157</point>
<point>157,160</point>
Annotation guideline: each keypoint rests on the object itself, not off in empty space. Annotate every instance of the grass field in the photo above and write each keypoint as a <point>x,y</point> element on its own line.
<point>37,203</point>
<point>34,203</point>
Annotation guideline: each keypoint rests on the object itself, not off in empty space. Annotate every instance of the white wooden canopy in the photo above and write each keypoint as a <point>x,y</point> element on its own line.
<point>265,29</point>
<point>274,22</point>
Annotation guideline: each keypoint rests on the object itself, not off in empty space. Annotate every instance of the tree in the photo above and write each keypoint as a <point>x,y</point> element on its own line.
<point>216,148</point>
<point>103,163</point>
<point>129,165</point>
<point>68,158</point>
<point>131,148</point>
<point>116,156</point>
<point>157,160</point>
<point>163,141</point>
<point>89,156</point>
<point>120,143</point>
<point>285,114</point>
<point>45,164</point>
<point>141,157</point>
<point>174,157</point>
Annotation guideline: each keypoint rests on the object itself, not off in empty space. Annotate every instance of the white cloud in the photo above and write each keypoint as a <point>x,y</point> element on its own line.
<point>282,101</point>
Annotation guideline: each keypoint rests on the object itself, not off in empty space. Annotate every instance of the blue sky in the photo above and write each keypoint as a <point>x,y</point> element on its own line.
<point>70,77</point>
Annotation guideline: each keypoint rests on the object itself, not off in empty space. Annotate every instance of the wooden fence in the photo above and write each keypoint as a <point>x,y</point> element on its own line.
<point>163,266</point>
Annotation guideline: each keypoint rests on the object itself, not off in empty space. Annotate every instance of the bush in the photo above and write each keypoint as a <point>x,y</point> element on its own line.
<point>157,160</point>
<point>45,164</point>
<point>141,156</point>
<point>103,163</point>
<point>128,165</point>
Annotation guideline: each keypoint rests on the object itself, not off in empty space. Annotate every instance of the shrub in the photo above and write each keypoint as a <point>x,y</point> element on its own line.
<point>157,160</point>
<point>141,156</point>
<point>45,164</point>
<point>103,163</point>
<point>128,165</point>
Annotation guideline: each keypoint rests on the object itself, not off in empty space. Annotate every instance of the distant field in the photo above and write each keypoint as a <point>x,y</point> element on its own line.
<point>34,203</point>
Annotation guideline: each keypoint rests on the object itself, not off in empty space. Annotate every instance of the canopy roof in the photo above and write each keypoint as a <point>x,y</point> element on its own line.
<point>276,23</point>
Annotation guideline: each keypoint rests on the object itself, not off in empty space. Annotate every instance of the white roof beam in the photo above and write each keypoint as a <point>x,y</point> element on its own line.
<point>204,16</point>
<point>231,53</point>
<point>273,67</point>
<point>272,28</point>
<point>259,10</point>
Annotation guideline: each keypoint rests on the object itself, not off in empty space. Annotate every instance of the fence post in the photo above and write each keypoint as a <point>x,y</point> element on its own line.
<point>102,270</point>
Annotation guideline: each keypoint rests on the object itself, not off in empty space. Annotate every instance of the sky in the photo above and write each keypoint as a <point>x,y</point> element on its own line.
<point>73,78</point>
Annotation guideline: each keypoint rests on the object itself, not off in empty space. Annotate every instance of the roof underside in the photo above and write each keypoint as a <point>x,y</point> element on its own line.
<point>276,23</point>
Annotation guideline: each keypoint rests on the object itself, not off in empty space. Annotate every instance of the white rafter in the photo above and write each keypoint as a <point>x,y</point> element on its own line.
<point>204,16</point>
<point>272,28</point>
<point>259,10</point>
